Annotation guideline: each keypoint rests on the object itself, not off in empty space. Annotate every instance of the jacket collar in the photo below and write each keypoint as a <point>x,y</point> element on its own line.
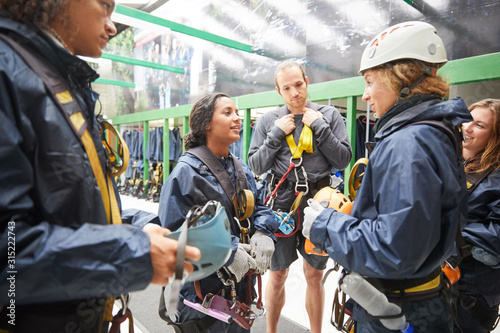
<point>427,108</point>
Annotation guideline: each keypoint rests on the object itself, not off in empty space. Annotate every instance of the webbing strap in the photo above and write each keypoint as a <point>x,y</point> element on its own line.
<point>306,136</point>
<point>57,89</point>
<point>204,154</point>
<point>305,142</point>
<point>105,185</point>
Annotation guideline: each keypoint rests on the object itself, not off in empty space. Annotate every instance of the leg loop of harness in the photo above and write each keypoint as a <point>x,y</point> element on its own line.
<point>229,310</point>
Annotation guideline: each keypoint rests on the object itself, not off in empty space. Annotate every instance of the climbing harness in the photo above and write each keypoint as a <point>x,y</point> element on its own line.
<point>229,310</point>
<point>241,197</point>
<point>217,306</point>
<point>70,109</point>
<point>288,226</point>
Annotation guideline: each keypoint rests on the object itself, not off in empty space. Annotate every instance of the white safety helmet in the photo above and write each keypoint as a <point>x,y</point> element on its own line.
<point>407,40</point>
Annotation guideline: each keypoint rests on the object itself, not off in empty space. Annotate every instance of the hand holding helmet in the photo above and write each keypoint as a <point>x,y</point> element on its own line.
<point>310,214</point>
<point>262,250</point>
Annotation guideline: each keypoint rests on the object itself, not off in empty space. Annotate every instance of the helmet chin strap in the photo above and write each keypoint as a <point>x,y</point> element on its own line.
<point>406,90</point>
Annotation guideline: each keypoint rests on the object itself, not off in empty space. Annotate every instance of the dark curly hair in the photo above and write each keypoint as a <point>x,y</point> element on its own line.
<point>201,115</point>
<point>39,12</point>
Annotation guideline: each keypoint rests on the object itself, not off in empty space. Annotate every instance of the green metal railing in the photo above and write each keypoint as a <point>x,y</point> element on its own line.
<point>457,72</point>
<point>184,29</point>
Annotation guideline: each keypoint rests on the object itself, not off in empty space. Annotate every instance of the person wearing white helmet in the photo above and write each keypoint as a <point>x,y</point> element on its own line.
<point>413,196</point>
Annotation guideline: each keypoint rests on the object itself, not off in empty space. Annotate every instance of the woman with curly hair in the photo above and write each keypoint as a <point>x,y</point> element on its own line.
<point>65,264</point>
<point>479,290</point>
<point>414,184</point>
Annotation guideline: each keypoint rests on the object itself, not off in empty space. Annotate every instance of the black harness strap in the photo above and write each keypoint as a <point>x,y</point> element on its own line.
<point>204,154</point>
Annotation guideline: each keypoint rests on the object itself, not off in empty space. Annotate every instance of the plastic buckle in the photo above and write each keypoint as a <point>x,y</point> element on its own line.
<point>468,302</point>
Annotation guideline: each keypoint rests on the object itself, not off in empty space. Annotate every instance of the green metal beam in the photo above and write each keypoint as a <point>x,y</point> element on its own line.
<point>470,70</point>
<point>143,63</point>
<point>175,112</point>
<point>137,14</point>
<point>116,83</point>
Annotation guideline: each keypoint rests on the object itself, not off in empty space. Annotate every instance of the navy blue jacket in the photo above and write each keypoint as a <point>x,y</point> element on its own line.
<point>483,230</point>
<point>64,249</point>
<point>411,200</point>
<point>191,183</point>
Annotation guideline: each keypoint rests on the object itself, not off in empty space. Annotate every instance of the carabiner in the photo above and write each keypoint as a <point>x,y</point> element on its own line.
<point>298,164</point>
<point>125,300</point>
<point>298,185</point>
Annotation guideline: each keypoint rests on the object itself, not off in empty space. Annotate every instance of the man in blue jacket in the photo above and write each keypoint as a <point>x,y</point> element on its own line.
<point>62,261</point>
<point>413,195</point>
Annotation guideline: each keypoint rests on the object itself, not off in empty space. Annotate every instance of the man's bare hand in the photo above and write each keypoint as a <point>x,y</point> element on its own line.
<point>310,116</point>
<point>286,123</point>
<point>163,255</point>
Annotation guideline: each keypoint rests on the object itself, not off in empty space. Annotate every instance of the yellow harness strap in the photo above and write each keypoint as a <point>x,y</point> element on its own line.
<point>435,283</point>
<point>305,142</point>
<point>105,184</point>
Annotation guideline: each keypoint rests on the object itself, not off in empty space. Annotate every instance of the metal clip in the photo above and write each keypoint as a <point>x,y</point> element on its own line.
<point>298,184</point>
<point>125,300</point>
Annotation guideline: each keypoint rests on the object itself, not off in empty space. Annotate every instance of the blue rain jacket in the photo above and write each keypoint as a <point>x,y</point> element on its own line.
<point>483,230</point>
<point>411,200</point>
<point>50,205</point>
<point>192,183</point>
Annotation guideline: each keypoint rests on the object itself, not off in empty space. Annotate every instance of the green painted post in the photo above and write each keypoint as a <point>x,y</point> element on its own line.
<point>247,133</point>
<point>166,149</point>
<point>351,132</point>
<point>145,126</point>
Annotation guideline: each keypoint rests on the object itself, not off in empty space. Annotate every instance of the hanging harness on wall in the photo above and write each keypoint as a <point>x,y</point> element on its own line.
<point>287,226</point>
<point>215,306</point>
<point>117,160</point>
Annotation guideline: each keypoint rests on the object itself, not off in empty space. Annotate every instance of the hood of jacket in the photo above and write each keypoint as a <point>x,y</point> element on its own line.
<point>424,107</point>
